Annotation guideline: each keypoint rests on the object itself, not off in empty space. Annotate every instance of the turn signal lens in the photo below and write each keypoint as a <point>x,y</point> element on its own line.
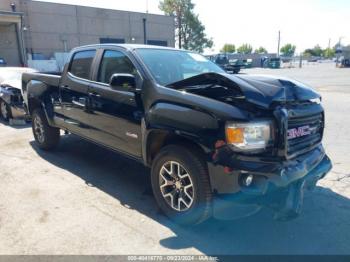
<point>251,136</point>
<point>235,135</point>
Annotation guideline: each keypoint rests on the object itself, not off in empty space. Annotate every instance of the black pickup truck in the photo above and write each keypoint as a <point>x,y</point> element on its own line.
<point>217,144</point>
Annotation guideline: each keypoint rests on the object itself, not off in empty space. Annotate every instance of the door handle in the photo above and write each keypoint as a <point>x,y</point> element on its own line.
<point>94,94</point>
<point>66,87</point>
<point>81,102</point>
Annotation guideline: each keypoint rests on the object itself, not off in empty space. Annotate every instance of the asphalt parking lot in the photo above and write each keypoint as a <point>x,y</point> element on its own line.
<point>83,199</point>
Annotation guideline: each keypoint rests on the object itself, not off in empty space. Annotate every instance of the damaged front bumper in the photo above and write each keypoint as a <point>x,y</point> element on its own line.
<point>277,185</point>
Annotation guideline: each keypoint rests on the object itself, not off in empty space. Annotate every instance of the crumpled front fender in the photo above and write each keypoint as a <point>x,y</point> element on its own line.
<point>5,94</point>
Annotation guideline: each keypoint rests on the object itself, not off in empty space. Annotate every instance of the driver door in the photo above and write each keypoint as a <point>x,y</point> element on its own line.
<point>115,116</point>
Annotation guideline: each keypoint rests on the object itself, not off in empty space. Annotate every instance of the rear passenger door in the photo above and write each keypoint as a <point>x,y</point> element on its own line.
<point>115,113</point>
<point>74,92</point>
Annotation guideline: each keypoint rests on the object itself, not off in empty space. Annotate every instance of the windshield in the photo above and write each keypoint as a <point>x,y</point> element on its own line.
<point>170,66</point>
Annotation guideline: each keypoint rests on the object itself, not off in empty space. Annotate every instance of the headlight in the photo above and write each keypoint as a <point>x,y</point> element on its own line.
<point>316,100</point>
<point>255,136</point>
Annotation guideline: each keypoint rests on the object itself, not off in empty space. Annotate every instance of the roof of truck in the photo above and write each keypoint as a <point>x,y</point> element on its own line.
<point>126,46</point>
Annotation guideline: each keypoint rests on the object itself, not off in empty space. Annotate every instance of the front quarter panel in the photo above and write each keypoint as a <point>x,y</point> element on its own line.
<point>187,115</point>
<point>166,115</point>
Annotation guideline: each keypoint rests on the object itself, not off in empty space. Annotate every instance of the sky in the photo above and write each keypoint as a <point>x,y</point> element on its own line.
<point>304,23</point>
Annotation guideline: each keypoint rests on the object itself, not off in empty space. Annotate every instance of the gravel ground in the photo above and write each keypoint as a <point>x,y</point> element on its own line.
<point>83,199</point>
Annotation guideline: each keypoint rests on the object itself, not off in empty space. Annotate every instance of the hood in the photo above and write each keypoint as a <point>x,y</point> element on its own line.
<point>257,89</point>
<point>14,83</point>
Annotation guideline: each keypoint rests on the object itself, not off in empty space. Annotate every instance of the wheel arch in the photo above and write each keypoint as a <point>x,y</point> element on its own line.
<point>34,103</point>
<point>45,105</point>
<point>186,152</point>
<point>155,140</point>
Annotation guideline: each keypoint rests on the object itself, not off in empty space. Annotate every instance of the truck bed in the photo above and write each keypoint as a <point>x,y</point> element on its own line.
<point>52,78</point>
<point>47,80</point>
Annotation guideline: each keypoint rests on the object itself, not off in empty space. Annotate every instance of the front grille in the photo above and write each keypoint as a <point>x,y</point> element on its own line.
<point>308,132</point>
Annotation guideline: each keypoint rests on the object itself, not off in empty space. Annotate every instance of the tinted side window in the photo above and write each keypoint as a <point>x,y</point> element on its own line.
<point>81,63</point>
<point>114,62</point>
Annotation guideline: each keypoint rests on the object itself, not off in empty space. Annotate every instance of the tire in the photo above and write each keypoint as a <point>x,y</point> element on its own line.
<point>193,170</point>
<point>5,110</point>
<point>46,137</point>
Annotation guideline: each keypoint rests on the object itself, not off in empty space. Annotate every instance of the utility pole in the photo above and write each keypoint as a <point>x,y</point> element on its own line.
<point>279,43</point>
<point>339,47</point>
<point>328,49</point>
<point>144,20</point>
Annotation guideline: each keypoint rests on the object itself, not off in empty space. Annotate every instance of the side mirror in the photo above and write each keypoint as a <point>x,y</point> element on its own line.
<point>125,82</point>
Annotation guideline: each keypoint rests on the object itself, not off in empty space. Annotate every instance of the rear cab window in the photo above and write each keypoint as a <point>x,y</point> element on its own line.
<point>81,64</point>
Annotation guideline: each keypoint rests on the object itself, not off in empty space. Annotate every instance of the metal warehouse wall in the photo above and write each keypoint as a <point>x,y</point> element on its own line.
<point>51,27</point>
<point>9,44</point>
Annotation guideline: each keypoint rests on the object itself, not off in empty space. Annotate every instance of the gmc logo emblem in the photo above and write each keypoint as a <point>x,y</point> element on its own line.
<point>298,132</point>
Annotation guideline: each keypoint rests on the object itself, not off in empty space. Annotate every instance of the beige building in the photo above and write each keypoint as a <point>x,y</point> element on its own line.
<point>38,30</point>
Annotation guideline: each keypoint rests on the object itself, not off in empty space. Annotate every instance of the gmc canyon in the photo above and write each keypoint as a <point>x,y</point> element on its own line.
<point>217,144</point>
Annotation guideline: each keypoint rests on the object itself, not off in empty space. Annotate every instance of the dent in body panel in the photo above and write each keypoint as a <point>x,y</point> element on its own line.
<point>262,91</point>
<point>181,118</point>
<point>5,95</point>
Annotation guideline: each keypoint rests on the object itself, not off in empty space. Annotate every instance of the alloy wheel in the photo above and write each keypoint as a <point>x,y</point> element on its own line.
<point>39,129</point>
<point>176,186</point>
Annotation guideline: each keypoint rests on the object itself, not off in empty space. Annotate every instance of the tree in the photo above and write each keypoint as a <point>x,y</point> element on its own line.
<point>288,50</point>
<point>194,36</point>
<point>307,54</point>
<point>329,52</point>
<point>260,50</point>
<point>245,49</point>
<point>228,48</point>
<point>190,32</point>
<point>318,52</point>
